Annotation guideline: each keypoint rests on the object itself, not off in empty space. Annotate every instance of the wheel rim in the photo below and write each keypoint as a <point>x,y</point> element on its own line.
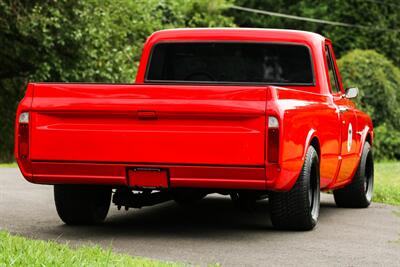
<point>369,177</point>
<point>314,192</point>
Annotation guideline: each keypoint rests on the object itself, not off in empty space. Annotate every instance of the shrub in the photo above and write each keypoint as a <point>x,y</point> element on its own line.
<point>82,41</point>
<point>379,83</point>
<point>386,143</point>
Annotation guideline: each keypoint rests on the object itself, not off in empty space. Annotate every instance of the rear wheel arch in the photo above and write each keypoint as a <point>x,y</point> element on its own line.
<point>315,143</point>
<point>369,138</point>
<point>312,140</point>
<point>298,208</point>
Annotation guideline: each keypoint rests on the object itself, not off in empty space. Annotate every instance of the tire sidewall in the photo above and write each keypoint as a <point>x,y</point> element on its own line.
<point>362,171</point>
<point>313,183</point>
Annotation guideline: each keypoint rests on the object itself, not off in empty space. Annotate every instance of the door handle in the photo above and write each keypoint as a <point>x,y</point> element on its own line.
<point>343,109</point>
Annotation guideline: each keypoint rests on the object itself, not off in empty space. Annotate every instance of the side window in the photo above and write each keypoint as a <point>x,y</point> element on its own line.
<point>332,72</point>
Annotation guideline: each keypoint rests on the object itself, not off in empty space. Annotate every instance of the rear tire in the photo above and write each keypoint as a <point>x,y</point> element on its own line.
<point>358,194</point>
<point>298,209</point>
<point>82,204</point>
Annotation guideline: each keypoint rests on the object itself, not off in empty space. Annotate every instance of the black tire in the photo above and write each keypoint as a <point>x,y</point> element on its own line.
<point>358,194</point>
<point>187,197</point>
<point>82,204</point>
<point>298,209</point>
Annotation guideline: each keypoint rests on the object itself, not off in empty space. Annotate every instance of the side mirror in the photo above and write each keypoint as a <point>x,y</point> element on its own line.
<point>351,92</point>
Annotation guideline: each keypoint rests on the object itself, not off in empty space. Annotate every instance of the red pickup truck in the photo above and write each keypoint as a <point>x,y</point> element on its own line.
<point>251,113</point>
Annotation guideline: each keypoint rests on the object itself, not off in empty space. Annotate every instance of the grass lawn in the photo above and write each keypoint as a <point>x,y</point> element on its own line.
<point>8,165</point>
<point>20,251</point>
<point>387,182</point>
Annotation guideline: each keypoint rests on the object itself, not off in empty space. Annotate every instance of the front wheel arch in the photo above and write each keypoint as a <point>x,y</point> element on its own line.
<point>359,192</point>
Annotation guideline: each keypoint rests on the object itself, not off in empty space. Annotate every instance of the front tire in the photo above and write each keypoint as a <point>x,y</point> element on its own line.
<point>358,194</point>
<point>298,209</point>
<point>82,204</point>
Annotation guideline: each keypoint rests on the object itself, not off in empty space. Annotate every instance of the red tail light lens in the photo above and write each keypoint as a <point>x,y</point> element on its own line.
<point>273,139</point>
<point>23,135</point>
<point>273,145</point>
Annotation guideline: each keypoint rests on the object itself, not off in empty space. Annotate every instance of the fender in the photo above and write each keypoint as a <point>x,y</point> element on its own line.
<point>363,139</point>
<point>291,176</point>
<point>311,134</point>
<point>363,133</point>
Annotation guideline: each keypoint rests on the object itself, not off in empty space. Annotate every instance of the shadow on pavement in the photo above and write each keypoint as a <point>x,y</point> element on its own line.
<point>213,216</point>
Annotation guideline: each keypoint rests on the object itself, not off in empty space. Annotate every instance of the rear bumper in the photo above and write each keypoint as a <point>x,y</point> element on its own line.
<point>224,177</point>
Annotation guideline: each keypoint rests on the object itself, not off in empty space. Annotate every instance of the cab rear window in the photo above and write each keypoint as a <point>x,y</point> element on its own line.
<point>226,62</point>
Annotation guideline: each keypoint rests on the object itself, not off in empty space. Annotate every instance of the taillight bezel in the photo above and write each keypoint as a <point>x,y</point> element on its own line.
<point>23,135</point>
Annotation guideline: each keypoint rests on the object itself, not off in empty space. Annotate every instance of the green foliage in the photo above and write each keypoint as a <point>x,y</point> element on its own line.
<point>387,142</point>
<point>101,41</point>
<point>82,41</point>
<point>379,83</point>
<point>377,78</point>
<point>92,40</point>
<point>387,183</point>
<point>376,15</point>
<point>9,165</point>
<point>20,251</point>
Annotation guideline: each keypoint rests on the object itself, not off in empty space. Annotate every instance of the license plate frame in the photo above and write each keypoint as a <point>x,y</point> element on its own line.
<point>142,177</point>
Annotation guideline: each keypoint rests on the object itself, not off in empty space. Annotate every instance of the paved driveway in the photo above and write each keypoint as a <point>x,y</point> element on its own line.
<point>213,232</point>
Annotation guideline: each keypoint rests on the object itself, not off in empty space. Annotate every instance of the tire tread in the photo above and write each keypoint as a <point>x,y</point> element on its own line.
<point>78,204</point>
<point>291,210</point>
<point>353,195</point>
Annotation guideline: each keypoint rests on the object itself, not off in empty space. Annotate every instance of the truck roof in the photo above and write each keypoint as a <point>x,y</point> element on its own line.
<point>236,34</point>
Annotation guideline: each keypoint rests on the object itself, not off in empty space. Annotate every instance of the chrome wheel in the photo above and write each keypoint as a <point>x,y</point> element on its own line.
<point>314,191</point>
<point>369,177</point>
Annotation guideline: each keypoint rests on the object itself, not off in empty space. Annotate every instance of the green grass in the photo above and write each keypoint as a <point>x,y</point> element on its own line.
<point>8,165</point>
<point>20,251</point>
<point>387,183</point>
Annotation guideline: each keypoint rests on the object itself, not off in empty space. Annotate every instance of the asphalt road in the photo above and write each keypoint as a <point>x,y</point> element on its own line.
<point>213,232</point>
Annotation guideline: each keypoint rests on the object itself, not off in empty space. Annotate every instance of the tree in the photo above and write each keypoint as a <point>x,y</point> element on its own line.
<point>82,41</point>
<point>372,14</point>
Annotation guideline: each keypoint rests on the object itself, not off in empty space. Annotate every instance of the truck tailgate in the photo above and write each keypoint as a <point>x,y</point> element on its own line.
<point>174,124</point>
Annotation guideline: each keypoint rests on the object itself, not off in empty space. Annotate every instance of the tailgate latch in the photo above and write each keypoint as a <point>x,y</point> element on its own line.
<point>147,115</point>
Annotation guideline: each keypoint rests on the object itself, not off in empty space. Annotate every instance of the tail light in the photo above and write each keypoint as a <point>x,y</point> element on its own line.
<point>23,135</point>
<point>273,139</point>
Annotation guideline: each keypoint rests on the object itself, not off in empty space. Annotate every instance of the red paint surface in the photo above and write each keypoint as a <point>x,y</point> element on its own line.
<point>210,136</point>
<point>156,178</point>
